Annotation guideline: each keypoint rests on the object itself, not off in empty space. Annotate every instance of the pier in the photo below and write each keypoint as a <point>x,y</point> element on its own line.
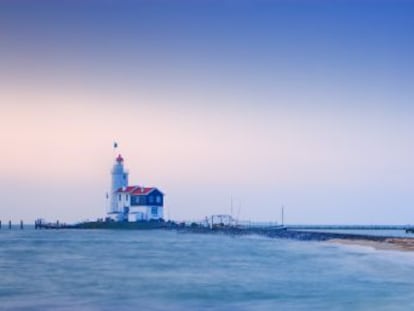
<point>271,230</point>
<point>10,225</point>
<point>220,224</point>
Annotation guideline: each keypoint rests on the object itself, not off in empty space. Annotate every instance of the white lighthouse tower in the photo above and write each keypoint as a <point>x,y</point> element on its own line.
<point>119,180</point>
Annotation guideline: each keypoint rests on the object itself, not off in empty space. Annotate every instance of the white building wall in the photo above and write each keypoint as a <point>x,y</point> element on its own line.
<point>144,213</point>
<point>138,209</point>
<point>160,212</point>
<point>124,202</point>
<point>136,216</point>
<point>158,215</point>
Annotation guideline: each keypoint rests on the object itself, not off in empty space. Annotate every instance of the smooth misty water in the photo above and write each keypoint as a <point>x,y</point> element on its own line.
<point>160,270</point>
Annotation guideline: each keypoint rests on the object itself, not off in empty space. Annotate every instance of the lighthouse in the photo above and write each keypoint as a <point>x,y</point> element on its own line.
<point>119,181</point>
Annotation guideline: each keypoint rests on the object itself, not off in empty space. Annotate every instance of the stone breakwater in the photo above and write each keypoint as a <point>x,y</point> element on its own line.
<point>377,242</point>
<point>282,233</point>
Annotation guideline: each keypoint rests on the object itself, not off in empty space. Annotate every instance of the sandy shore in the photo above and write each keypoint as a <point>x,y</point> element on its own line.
<point>399,244</point>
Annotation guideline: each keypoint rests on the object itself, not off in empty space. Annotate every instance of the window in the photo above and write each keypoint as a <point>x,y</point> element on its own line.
<point>126,197</point>
<point>154,211</point>
<point>119,197</point>
<point>151,199</point>
<point>158,199</point>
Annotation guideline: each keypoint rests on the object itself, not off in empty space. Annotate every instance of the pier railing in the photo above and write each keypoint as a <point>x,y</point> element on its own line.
<point>208,222</point>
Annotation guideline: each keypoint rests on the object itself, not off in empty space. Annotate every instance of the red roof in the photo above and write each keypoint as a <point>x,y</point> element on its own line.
<point>136,190</point>
<point>128,189</point>
<point>142,190</point>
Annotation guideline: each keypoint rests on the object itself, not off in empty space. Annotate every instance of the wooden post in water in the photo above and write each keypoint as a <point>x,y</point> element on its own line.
<point>21,224</point>
<point>0,224</point>
<point>9,224</point>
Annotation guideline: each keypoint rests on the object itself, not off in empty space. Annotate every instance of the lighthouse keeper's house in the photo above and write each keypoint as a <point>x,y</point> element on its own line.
<point>140,203</point>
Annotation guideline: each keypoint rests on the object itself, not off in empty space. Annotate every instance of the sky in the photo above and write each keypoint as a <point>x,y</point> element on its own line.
<point>305,104</point>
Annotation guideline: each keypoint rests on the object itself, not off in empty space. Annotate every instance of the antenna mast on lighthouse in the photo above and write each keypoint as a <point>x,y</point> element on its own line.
<point>115,146</point>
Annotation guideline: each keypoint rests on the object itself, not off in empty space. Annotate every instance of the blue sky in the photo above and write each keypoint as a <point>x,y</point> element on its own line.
<point>301,103</point>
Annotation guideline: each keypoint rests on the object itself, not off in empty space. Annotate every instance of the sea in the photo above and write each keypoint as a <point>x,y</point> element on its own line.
<point>95,270</point>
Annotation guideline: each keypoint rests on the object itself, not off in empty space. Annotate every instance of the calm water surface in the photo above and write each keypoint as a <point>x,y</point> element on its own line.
<point>159,270</point>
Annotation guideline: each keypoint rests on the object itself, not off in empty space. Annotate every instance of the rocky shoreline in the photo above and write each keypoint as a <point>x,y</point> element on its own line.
<point>377,242</point>
<point>398,244</point>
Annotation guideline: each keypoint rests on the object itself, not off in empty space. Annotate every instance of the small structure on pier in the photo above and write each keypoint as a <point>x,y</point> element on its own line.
<point>222,220</point>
